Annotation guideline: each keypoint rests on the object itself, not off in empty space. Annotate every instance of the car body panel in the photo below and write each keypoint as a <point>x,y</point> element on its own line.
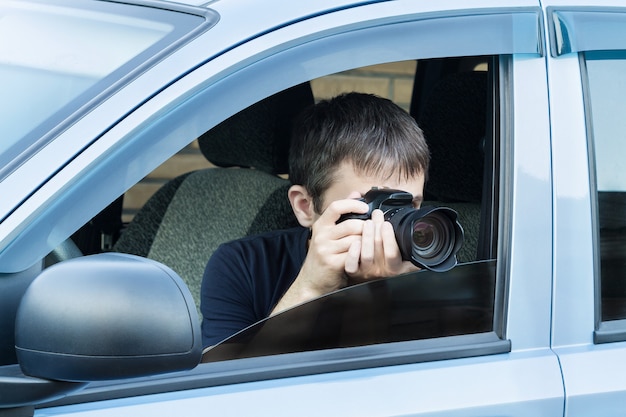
<point>427,389</point>
<point>591,372</point>
<point>530,265</point>
<point>547,302</point>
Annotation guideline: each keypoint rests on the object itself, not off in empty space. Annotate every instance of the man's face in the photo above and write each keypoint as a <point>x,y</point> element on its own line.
<point>347,181</point>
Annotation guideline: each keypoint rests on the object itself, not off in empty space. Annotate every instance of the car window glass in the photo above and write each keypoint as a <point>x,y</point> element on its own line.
<point>415,306</point>
<point>67,56</point>
<point>606,72</point>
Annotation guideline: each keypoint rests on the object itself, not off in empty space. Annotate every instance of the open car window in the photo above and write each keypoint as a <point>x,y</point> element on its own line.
<point>454,101</point>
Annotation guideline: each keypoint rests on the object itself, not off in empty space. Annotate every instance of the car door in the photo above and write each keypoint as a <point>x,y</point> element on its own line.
<point>586,72</point>
<point>508,369</point>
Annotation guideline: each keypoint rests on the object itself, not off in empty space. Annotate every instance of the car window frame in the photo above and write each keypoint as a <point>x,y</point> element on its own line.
<point>586,28</point>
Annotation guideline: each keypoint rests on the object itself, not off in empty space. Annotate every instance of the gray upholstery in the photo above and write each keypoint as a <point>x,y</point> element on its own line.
<point>184,222</point>
<point>139,234</point>
<point>454,121</point>
<point>214,206</point>
<point>235,142</point>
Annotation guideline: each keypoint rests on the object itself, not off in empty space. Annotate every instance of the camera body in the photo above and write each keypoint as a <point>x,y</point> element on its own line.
<point>429,237</point>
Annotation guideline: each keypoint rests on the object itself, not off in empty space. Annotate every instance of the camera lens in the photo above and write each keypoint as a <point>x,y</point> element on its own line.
<point>432,237</point>
<point>423,235</point>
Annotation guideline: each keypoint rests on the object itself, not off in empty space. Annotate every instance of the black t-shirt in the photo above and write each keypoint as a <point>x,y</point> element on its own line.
<point>245,279</point>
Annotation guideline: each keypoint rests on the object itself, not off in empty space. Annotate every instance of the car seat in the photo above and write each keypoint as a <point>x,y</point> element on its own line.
<point>186,220</point>
<point>454,119</point>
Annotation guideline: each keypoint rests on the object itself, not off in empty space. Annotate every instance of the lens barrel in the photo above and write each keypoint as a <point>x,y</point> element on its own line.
<point>430,237</point>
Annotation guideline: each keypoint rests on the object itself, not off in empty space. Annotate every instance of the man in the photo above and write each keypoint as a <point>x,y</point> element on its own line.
<point>340,149</point>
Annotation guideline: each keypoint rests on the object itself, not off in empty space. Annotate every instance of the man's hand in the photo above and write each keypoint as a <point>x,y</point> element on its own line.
<point>353,249</point>
<point>323,269</point>
<point>330,245</point>
<point>377,254</point>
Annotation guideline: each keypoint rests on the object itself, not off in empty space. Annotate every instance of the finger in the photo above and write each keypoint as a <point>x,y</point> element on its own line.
<point>353,257</point>
<point>326,227</point>
<point>378,219</point>
<point>368,246</point>
<point>391,249</point>
<point>330,247</point>
<point>335,209</point>
<point>336,232</point>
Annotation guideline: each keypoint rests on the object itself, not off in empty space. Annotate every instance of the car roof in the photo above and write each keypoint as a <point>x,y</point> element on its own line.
<point>302,8</point>
<point>247,3</point>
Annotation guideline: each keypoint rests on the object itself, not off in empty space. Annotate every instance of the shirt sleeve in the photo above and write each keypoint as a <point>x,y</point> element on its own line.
<point>226,303</point>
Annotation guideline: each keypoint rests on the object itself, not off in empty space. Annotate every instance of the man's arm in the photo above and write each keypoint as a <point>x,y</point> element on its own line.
<point>349,252</point>
<point>225,296</point>
<point>323,268</point>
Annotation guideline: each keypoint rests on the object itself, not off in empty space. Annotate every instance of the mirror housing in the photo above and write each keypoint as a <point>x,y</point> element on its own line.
<point>107,316</point>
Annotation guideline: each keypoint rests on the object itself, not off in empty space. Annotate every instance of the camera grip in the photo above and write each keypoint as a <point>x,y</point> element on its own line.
<point>357,216</point>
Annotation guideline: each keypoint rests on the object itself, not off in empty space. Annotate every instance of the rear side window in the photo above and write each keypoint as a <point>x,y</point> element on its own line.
<point>606,77</point>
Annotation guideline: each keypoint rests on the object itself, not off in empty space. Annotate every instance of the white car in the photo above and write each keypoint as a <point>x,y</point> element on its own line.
<point>522,103</point>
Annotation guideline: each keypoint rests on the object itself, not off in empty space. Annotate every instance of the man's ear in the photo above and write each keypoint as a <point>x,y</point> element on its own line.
<point>302,205</point>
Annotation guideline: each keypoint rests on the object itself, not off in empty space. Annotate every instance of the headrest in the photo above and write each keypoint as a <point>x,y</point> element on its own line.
<point>258,136</point>
<point>453,121</point>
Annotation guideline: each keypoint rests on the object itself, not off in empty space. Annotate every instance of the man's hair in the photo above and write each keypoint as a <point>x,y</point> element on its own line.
<point>372,133</point>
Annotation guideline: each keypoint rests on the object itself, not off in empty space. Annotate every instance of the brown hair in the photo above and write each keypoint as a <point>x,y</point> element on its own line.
<point>372,133</point>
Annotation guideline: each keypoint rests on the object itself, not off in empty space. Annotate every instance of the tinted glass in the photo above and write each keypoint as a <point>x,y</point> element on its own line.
<point>607,98</point>
<point>416,306</point>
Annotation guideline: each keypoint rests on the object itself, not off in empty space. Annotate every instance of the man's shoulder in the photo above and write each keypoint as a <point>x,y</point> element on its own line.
<point>273,237</point>
<point>288,245</point>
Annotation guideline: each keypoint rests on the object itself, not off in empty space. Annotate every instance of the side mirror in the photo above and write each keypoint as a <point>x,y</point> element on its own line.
<point>107,316</point>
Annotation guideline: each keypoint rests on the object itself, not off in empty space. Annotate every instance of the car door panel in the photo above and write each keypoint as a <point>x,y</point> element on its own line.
<point>524,384</point>
<point>584,99</point>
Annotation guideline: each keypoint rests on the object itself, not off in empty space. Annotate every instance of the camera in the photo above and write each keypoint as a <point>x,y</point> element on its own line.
<point>429,237</point>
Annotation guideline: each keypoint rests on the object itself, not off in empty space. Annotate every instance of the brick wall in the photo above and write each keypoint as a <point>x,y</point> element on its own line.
<point>394,81</point>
